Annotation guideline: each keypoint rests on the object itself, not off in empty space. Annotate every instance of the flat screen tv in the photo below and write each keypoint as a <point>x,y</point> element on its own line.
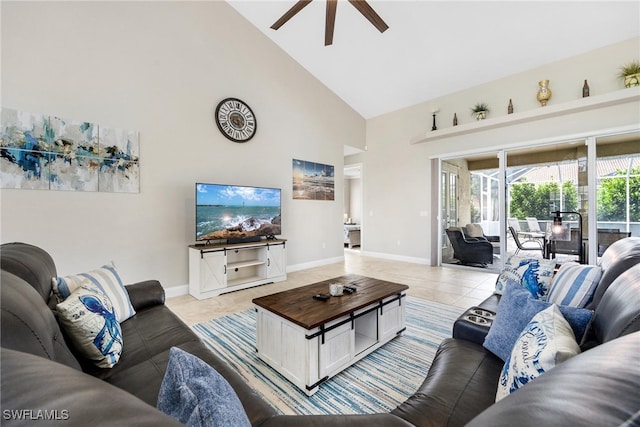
<point>237,213</point>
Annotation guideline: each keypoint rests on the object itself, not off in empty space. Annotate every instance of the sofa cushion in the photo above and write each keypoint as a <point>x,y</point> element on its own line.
<point>619,257</point>
<point>106,279</point>
<point>574,284</point>
<point>618,313</point>
<point>534,274</point>
<point>578,392</point>
<point>88,318</point>
<point>461,383</point>
<point>516,309</point>
<point>148,337</point>
<point>196,395</point>
<point>32,383</point>
<point>474,230</point>
<point>151,332</point>
<point>546,341</point>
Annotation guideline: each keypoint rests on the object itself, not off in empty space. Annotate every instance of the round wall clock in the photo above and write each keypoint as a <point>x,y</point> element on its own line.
<point>235,120</point>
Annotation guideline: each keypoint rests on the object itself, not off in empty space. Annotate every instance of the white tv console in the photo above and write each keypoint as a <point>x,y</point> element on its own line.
<point>220,268</point>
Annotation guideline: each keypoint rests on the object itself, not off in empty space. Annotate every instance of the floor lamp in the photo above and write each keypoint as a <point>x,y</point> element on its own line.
<point>557,230</point>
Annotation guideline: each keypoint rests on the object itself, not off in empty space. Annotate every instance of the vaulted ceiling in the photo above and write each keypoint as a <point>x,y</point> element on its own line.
<point>434,48</point>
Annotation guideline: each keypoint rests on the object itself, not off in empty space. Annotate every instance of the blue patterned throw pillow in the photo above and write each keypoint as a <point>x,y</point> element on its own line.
<point>574,284</point>
<point>197,395</point>
<point>516,309</point>
<point>534,274</point>
<point>106,279</point>
<point>545,342</point>
<point>89,319</point>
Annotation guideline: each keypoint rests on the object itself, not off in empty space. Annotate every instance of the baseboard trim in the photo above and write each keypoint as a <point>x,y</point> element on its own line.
<point>176,291</point>
<point>312,264</point>
<point>412,260</point>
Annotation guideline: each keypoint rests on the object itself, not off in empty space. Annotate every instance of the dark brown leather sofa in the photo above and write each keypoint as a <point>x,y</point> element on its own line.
<point>39,372</point>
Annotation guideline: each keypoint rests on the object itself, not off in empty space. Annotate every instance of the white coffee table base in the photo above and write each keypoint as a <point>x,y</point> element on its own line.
<point>307,358</point>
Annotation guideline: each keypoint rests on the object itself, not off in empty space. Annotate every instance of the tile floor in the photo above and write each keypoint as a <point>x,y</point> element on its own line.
<point>462,287</point>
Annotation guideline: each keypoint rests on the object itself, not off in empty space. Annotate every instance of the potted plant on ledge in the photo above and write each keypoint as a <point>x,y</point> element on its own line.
<point>630,73</point>
<point>480,110</point>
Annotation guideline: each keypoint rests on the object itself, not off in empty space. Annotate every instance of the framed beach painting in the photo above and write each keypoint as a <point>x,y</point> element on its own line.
<point>313,181</point>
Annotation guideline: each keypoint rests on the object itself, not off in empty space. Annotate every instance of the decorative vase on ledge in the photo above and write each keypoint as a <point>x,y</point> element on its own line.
<point>632,80</point>
<point>544,93</point>
<point>480,110</point>
<point>630,73</point>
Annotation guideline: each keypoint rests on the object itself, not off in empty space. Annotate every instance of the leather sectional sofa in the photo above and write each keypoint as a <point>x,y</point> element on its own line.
<point>40,372</point>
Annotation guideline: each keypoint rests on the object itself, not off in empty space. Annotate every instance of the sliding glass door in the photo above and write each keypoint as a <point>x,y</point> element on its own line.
<point>544,183</point>
<point>588,187</point>
<point>618,188</point>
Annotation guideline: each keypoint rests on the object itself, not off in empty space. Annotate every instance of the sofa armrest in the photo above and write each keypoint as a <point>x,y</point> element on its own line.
<point>145,294</point>
<point>468,327</point>
<point>476,331</point>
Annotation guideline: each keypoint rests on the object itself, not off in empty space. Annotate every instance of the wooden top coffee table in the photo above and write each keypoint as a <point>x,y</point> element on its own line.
<point>308,340</point>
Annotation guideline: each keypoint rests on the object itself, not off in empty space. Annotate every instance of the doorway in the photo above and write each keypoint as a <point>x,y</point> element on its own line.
<point>352,210</point>
<point>469,208</point>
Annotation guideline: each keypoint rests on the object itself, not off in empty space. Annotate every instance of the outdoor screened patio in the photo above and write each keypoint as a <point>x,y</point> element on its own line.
<point>539,181</point>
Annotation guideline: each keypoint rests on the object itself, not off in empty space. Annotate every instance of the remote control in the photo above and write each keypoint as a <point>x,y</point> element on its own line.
<point>322,297</point>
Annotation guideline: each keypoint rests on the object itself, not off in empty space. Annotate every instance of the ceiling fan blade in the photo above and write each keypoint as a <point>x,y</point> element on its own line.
<point>330,22</point>
<point>290,13</point>
<point>368,12</point>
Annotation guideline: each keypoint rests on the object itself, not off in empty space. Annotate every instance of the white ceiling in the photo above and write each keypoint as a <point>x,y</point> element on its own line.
<point>434,48</point>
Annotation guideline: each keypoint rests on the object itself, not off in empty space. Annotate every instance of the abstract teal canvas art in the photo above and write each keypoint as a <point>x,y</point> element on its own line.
<point>51,153</point>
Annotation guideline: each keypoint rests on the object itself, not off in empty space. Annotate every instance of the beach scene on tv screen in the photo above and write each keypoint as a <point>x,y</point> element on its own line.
<point>231,212</point>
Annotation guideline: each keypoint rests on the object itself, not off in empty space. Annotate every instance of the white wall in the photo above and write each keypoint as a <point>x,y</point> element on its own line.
<point>161,68</point>
<point>399,206</point>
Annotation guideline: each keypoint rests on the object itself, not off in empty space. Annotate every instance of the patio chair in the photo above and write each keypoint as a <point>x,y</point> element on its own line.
<point>469,250</point>
<point>515,223</point>
<point>528,235</point>
<point>529,245</point>
<point>534,226</point>
<point>476,230</point>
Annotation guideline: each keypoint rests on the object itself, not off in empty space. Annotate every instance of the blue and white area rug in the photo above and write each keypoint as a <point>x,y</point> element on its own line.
<point>377,383</point>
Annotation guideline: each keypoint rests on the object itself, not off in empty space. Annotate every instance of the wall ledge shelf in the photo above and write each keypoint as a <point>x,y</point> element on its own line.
<point>623,96</point>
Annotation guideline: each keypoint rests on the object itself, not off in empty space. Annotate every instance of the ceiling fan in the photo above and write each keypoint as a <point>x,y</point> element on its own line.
<point>362,6</point>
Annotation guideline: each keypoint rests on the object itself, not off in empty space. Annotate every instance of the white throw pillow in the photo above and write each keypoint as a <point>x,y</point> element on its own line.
<point>106,279</point>
<point>544,343</point>
<point>88,317</point>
